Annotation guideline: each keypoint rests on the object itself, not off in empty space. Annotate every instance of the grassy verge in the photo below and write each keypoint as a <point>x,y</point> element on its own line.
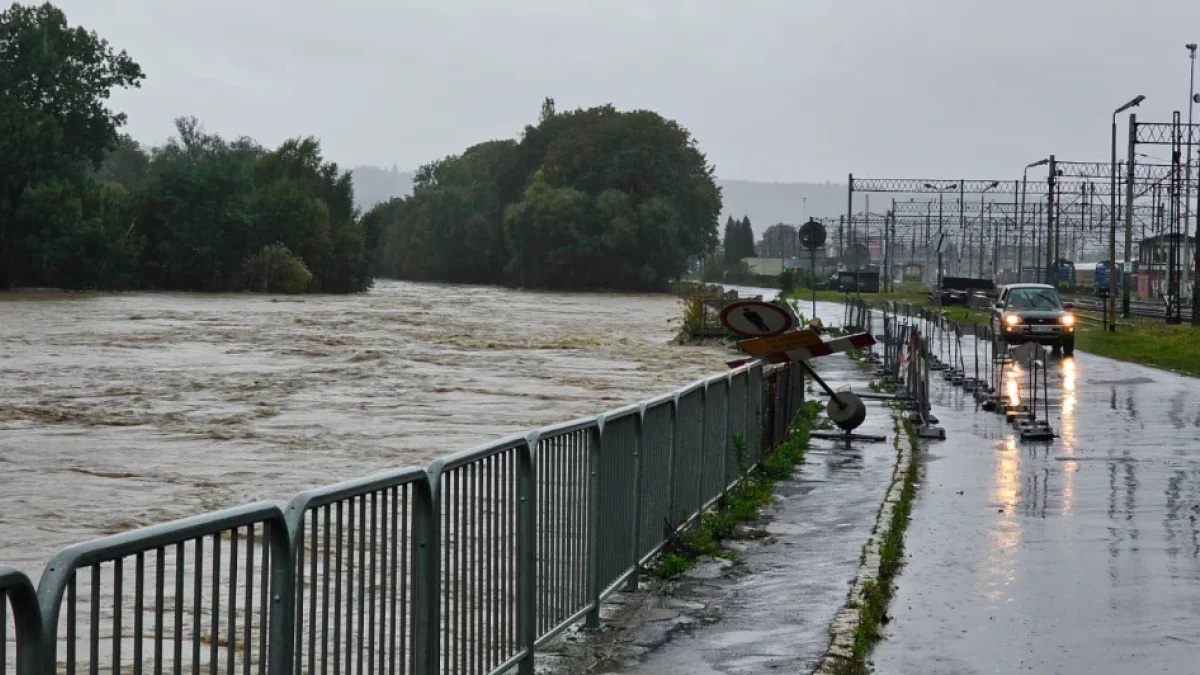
<point>1145,341</point>
<point>742,503</point>
<point>876,594</point>
<point>914,293</point>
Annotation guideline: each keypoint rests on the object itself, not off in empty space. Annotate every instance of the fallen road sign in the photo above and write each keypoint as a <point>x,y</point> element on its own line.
<point>834,346</point>
<point>810,351</point>
<point>754,318</point>
<point>780,343</point>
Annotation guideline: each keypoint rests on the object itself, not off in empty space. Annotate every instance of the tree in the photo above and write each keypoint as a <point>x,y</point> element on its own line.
<point>543,231</point>
<point>779,241</point>
<point>54,82</point>
<point>591,198</point>
<point>732,241</point>
<point>746,238</point>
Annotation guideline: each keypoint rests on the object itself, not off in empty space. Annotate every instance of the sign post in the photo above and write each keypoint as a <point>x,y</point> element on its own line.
<point>812,237</point>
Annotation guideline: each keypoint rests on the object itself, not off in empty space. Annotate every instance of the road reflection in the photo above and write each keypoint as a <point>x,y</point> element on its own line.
<point>1067,433</point>
<point>1006,536</point>
<point>1012,384</point>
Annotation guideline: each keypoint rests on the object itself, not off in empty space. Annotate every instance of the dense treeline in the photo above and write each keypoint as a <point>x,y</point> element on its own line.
<point>82,207</point>
<point>594,198</point>
<point>590,198</point>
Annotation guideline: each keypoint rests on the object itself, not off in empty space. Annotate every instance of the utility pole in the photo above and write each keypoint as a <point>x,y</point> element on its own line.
<point>928,217</point>
<point>995,245</point>
<point>890,236</point>
<point>1049,272</point>
<point>841,227</point>
<point>849,211</point>
<point>982,234</point>
<point>962,220</point>
<point>1129,217</point>
<point>1037,240</point>
<point>1191,47</point>
<point>941,233</point>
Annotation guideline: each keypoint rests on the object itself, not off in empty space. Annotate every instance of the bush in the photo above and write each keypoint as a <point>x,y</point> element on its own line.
<point>275,269</point>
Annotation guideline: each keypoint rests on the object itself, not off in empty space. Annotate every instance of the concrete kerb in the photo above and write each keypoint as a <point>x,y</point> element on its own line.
<point>846,622</point>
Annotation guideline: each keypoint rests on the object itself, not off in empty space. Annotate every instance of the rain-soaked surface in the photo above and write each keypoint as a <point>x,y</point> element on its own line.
<point>772,613</point>
<point>1080,555</point>
<point>118,411</point>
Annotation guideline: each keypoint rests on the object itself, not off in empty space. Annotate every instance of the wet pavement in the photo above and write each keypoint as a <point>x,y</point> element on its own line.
<point>771,612</point>
<point>1080,555</point>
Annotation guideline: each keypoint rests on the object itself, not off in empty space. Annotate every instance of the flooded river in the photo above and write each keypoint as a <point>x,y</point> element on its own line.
<point>118,411</point>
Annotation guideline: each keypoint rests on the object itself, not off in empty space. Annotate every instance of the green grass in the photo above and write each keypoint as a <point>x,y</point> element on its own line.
<point>877,594</point>
<point>1145,341</point>
<point>741,504</point>
<point>909,292</point>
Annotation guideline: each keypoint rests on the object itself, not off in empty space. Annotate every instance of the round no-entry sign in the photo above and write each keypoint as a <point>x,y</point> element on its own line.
<point>752,318</point>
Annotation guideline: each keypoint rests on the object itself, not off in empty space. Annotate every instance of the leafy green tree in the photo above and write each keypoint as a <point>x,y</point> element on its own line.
<point>779,241</point>
<point>275,269</point>
<point>591,198</point>
<point>543,232</point>
<point>126,163</point>
<point>54,82</point>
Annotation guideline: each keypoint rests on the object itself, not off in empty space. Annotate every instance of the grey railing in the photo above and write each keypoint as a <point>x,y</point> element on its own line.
<point>20,621</point>
<point>464,568</point>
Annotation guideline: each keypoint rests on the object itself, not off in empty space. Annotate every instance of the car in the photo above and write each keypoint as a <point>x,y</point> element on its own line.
<point>1034,313</point>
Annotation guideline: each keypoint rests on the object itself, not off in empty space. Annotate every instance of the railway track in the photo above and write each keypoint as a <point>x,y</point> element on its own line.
<point>1145,310</point>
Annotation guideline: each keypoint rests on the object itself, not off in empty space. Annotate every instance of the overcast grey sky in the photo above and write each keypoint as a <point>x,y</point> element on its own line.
<point>783,90</point>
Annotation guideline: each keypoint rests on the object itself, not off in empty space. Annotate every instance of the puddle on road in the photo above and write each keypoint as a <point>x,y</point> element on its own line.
<point>1126,381</point>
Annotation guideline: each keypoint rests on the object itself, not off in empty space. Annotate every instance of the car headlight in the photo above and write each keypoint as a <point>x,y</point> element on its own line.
<point>1068,319</point>
<point>1012,319</point>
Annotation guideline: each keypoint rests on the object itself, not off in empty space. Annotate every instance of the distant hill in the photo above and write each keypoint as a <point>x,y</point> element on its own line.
<point>765,203</point>
<point>770,203</point>
<point>373,185</point>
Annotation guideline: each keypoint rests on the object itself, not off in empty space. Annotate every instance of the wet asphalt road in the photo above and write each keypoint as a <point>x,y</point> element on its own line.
<point>774,611</point>
<point>1080,555</point>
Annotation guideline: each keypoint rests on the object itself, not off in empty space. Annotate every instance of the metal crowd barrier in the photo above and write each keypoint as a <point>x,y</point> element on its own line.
<point>464,568</point>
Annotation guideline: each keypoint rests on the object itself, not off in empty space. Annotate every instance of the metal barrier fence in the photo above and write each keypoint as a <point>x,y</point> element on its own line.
<point>464,568</point>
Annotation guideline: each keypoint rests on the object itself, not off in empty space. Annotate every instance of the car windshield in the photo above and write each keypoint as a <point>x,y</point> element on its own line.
<point>1034,298</point>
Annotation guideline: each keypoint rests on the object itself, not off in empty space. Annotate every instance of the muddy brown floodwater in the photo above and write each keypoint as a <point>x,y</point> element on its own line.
<point>118,411</point>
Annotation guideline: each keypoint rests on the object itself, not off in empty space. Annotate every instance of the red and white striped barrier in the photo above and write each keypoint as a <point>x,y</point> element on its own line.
<point>812,351</point>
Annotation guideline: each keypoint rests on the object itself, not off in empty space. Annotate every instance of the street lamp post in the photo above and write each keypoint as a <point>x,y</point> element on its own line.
<point>983,224</point>
<point>1112,215</point>
<point>1192,98</point>
<point>1021,223</point>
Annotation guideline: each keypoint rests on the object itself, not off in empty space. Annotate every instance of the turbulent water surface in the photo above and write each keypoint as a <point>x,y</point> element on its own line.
<point>118,411</point>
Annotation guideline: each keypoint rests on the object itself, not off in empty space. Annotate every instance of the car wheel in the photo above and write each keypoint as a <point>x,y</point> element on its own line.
<point>1068,346</point>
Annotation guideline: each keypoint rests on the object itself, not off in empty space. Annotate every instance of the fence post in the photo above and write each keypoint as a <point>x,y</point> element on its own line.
<point>283,601</point>
<point>27,620</point>
<point>703,444</point>
<point>526,557</point>
<point>426,576</point>
<point>723,470</point>
<point>638,449</point>
<point>592,573</point>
